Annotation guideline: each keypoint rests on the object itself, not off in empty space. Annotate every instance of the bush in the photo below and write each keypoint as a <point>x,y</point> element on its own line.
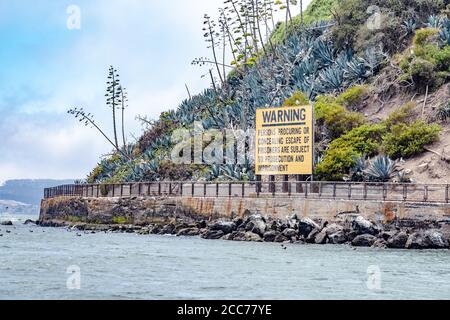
<point>404,114</point>
<point>337,119</point>
<point>353,96</point>
<point>424,37</point>
<point>405,140</point>
<point>297,99</point>
<point>343,152</point>
<point>422,72</point>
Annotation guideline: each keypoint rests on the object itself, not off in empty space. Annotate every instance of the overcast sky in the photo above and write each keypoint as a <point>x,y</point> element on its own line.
<point>45,68</point>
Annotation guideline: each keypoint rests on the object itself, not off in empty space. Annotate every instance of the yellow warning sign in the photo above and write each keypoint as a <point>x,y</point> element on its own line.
<point>284,141</point>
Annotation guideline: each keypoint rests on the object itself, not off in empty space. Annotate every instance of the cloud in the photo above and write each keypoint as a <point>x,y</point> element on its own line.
<point>47,68</point>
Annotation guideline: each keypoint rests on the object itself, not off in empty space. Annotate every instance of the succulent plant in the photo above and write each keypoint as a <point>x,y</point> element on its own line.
<point>381,169</point>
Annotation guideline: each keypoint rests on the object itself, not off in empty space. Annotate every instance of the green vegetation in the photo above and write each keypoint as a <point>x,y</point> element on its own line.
<point>397,137</point>
<point>336,118</point>
<point>298,98</point>
<point>406,140</point>
<point>318,10</point>
<point>121,220</point>
<point>428,65</point>
<point>329,58</point>
<point>353,96</point>
<point>343,152</point>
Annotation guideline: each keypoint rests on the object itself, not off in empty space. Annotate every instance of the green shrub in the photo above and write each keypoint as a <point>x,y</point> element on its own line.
<point>422,72</point>
<point>343,152</point>
<point>406,140</point>
<point>336,164</point>
<point>353,96</point>
<point>442,58</point>
<point>424,37</point>
<point>297,99</point>
<point>404,114</point>
<point>120,220</point>
<point>337,119</point>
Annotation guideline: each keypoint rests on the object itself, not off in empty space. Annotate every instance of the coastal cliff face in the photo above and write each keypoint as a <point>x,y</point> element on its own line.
<point>369,223</point>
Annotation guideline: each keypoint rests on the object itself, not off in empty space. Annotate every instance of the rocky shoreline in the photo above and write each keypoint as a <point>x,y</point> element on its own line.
<point>356,231</point>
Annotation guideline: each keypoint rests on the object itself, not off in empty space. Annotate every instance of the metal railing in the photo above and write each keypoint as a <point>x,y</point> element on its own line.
<point>428,193</point>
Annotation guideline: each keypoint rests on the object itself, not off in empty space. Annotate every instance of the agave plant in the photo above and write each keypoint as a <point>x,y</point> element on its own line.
<point>357,172</point>
<point>443,112</point>
<point>381,169</point>
<point>409,26</point>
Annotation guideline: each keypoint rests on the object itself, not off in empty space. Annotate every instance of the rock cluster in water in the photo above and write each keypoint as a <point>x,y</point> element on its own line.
<point>360,232</point>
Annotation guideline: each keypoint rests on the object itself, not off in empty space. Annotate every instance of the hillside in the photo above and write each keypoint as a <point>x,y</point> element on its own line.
<point>378,80</point>
<point>28,192</point>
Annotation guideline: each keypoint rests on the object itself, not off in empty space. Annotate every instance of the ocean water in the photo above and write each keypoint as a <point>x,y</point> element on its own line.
<point>45,263</point>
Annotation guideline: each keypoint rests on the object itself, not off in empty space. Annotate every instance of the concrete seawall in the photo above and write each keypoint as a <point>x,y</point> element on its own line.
<point>144,210</point>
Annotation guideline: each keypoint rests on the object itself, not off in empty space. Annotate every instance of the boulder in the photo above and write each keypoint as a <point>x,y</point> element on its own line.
<point>256,224</point>
<point>270,236</point>
<point>202,224</point>
<point>289,233</point>
<point>281,238</point>
<point>156,229</point>
<point>275,225</point>
<point>338,237</point>
<point>380,244</point>
<point>245,236</point>
<point>430,239</point>
<point>6,223</point>
<point>306,226</point>
<point>226,227</point>
<point>238,222</point>
<point>188,232</point>
<point>364,240</point>
<point>398,240</point>
<point>168,229</point>
<point>213,234</point>
<point>363,226</point>
<point>321,237</point>
<point>292,222</point>
<point>311,238</point>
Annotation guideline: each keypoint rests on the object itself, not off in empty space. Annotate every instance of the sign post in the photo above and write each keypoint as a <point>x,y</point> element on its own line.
<point>285,141</point>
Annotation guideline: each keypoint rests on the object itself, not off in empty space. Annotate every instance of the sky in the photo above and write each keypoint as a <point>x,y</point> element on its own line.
<point>48,65</point>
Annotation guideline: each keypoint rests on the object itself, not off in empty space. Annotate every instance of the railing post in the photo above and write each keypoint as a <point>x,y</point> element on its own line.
<point>272,186</point>
<point>170,188</point>
<point>229,189</point>
<point>204,190</point>
<point>446,193</point>
<point>181,189</point>
<point>349,191</point>
<point>285,183</point>
<point>243,190</point>
<point>114,189</point>
<point>192,189</point>
<point>384,192</point>
<point>258,184</point>
<point>306,189</point>
<point>121,190</point>
<point>365,191</point>
<point>159,188</point>
<point>334,190</point>
<point>217,189</point>
<point>425,196</point>
<point>405,192</point>
<point>320,189</point>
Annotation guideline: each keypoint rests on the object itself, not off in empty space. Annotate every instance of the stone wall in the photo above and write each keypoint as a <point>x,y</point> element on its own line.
<point>140,210</point>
